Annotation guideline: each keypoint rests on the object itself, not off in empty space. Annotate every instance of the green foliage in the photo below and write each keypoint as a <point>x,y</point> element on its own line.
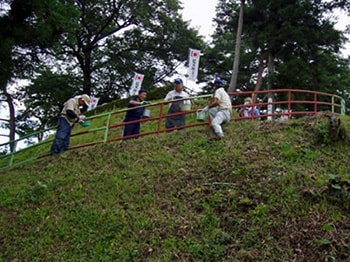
<point>137,37</point>
<point>27,30</point>
<point>34,26</point>
<point>295,38</point>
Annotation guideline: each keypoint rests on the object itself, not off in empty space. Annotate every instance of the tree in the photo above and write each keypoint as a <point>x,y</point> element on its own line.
<point>290,43</point>
<point>142,36</point>
<point>147,37</point>
<point>233,81</point>
<point>218,57</point>
<point>25,27</point>
<point>47,94</point>
<point>293,30</point>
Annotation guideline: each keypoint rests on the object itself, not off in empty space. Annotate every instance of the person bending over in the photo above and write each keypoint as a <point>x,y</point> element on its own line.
<point>69,115</point>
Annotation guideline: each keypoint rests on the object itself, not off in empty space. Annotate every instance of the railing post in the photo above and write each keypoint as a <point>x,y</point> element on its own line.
<point>13,154</point>
<point>289,104</point>
<point>342,108</point>
<point>161,111</point>
<point>107,128</point>
<point>315,103</point>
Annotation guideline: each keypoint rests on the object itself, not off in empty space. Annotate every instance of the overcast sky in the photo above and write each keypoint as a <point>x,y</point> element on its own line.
<point>201,13</point>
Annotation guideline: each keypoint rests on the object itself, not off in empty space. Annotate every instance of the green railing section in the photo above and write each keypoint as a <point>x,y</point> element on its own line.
<point>11,156</point>
<point>107,127</point>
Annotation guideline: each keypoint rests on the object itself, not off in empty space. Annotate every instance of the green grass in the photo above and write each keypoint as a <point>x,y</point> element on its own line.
<point>263,193</point>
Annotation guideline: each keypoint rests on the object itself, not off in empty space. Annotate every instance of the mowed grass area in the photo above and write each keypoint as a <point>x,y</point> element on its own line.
<point>269,191</point>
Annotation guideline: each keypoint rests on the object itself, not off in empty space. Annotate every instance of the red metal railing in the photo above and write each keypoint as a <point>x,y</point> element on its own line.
<point>287,101</point>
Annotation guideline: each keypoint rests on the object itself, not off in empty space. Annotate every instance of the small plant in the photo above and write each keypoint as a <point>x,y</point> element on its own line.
<point>39,190</point>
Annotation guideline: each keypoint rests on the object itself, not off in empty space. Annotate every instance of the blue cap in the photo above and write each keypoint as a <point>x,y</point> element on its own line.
<point>142,91</point>
<point>178,81</point>
<point>218,82</point>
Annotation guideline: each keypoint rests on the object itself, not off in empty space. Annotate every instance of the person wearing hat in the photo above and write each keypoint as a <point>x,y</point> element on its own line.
<point>135,114</point>
<point>220,108</point>
<point>174,107</point>
<point>246,111</point>
<point>69,115</point>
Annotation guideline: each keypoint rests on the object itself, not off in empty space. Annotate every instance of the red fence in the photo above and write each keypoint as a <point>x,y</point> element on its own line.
<point>282,104</point>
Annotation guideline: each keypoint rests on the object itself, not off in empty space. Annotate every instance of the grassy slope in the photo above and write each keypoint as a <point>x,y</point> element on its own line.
<point>261,194</point>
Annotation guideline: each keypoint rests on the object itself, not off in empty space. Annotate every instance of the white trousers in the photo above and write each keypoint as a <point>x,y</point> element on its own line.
<point>219,117</point>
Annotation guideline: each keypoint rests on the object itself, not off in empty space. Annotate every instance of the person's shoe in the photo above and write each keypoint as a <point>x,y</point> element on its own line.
<point>221,135</point>
<point>216,138</point>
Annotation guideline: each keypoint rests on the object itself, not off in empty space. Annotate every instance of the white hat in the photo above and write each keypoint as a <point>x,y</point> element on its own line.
<point>86,99</point>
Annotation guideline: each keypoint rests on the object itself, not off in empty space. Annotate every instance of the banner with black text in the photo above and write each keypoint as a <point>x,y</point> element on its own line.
<point>193,64</point>
<point>136,84</point>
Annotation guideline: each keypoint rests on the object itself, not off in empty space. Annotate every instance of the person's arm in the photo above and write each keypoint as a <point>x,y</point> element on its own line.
<point>214,101</point>
<point>188,102</point>
<point>168,96</point>
<point>70,111</point>
<point>257,112</point>
<point>243,112</point>
<point>72,115</point>
<point>135,102</point>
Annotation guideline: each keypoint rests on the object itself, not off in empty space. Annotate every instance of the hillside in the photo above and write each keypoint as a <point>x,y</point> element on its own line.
<point>269,191</point>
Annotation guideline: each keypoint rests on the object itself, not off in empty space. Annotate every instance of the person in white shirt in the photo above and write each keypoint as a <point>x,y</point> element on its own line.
<point>220,108</point>
<point>174,107</point>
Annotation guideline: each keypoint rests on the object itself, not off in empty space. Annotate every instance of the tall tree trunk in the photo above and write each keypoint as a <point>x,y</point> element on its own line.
<point>12,123</point>
<point>87,71</point>
<point>233,82</point>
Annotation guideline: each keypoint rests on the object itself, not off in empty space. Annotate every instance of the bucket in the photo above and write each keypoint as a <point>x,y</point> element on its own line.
<point>146,113</point>
<point>185,107</point>
<point>201,115</point>
<point>85,123</point>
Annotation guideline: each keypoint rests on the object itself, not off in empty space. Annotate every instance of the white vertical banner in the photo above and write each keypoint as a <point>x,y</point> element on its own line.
<point>93,103</point>
<point>269,108</point>
<point>193,64</point>
<point>136,84</point>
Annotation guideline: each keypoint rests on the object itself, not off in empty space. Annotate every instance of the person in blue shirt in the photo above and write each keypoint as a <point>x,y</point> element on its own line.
<point>246,111</point>
<point>135,114</point>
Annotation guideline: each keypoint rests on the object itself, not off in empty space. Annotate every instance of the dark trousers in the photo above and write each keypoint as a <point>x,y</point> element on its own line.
<point>131,129</point>
<point>62,137</point>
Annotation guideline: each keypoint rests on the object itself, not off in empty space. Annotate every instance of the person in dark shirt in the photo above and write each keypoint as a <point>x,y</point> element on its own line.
<point>135,114</point>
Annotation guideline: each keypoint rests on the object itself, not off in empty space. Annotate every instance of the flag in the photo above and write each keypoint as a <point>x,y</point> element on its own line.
<point>136,84</point>
<point>193,64</point>
<point>93,103</point>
